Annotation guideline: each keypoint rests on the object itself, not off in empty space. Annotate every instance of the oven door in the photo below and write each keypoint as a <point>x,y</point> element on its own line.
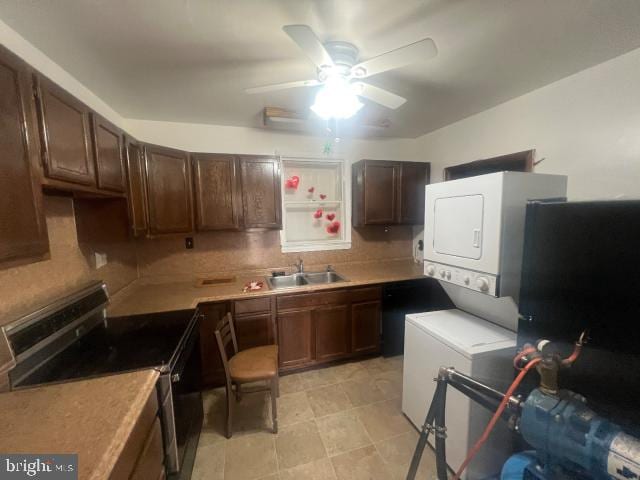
<point>183,411</point>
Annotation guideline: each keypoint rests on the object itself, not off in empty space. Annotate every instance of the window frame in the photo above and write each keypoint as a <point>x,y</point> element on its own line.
<point>319,245</point>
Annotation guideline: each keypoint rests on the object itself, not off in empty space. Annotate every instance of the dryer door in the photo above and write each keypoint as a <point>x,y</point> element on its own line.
<point>462,237</point>
<point>462,226</point>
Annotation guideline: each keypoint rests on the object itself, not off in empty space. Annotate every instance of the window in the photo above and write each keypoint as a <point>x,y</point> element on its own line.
<point>315,215</point>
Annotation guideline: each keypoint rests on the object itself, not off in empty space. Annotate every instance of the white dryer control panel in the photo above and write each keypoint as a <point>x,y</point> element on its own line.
<point>478,281</point>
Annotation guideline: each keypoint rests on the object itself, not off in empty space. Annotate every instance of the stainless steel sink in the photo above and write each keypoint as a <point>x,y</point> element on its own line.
<point>323,277</point>
<point>287,281</point>
<point>307,278</point>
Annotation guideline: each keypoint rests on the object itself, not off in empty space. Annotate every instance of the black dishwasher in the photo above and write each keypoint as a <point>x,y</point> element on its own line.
<point>401,298</point>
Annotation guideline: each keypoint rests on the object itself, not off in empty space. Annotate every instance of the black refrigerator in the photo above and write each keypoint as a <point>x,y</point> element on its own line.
<point>581,270</point>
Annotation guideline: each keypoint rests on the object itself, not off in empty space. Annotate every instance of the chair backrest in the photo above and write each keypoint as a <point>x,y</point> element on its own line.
<point>226,333</point>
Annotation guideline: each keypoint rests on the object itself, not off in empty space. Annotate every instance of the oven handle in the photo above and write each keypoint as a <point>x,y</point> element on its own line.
<point>185,353</point>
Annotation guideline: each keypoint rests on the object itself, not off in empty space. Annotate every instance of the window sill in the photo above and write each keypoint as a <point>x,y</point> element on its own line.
<point>315,246</point>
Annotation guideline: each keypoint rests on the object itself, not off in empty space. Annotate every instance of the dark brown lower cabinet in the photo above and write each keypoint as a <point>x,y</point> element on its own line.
<point>365,327</point>
<point>315,328</point>
<point>295,338</point>
<point>310,328</point>
<point>254,323</point>
<point>332,332</point>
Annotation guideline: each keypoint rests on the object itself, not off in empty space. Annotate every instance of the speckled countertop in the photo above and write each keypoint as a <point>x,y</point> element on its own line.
<point>168,293</point>
<point>92,418</point>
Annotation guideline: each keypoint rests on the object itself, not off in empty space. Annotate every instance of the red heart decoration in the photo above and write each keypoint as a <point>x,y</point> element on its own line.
<point>292,182</point>
<point>322,196</point>
<point>333,227</point>
<point>318,213</point>
<point>311,189</point>
<point>331,216</point>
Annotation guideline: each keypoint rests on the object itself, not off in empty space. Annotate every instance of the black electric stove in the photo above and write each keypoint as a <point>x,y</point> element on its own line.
<point>72,338</point>
<point>118,345</point>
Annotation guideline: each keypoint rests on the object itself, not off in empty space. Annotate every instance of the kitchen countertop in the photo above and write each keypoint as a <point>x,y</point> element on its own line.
<point>92,418</point>
<point>169,293</point>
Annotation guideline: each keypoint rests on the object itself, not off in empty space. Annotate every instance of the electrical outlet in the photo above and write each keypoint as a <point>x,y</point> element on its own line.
<point>100,259</point>
<point>420,245</point>
<point>188,243</point>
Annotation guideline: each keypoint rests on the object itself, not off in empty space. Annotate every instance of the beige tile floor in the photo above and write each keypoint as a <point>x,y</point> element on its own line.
<point>337,423</point>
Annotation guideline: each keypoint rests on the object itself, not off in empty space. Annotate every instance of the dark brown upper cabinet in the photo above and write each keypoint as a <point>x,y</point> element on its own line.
<point>388,193</point>
<point>513,162</point>
<point>136,187</point>
<point>414,176</point>
<point>65,135</point>
<point>260,192</point>
<point>108,152</point>
<point>216,194</point>
<point>23,230</point>
<point>169,193</point>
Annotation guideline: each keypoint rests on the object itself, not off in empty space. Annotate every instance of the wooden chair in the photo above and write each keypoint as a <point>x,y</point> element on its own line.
<point>250,365</point>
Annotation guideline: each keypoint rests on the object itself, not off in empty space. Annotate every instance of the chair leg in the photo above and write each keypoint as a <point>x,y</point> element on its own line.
<point>277,385</point>
<point>229,422</point>
<point>238,392</point>
<point>274,409</point>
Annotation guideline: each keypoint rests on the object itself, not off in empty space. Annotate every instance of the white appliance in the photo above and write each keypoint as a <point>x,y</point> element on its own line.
<point>474,347</point>
<point>474,228</point>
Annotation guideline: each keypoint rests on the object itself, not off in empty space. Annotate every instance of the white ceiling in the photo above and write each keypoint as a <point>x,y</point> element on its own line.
<point>189,60</point>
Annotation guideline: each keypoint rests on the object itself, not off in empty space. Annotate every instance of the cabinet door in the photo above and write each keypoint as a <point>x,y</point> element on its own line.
<point>365,327</point>
<point>212,369</point>
<point>23,230</point>
<point>168,190</point>
<point>381,193</point>
<point>295,338</point>
<point>66,136</point>
<point>108,154</point>
<point>253,330</point>
<point>332,332</point>
<point>215,192</point>
<point>414,178</point>
<point>137,190</point>
<point>261,197</point>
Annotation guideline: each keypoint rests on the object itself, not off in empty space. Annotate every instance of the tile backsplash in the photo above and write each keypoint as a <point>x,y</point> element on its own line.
<point>69,265</point>
<point>235,251</point>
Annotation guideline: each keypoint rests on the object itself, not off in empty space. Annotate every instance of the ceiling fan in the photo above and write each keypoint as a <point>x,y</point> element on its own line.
<point>340,72</point>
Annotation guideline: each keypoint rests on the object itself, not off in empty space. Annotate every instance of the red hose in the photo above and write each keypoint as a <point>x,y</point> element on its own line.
<point>503,404</point>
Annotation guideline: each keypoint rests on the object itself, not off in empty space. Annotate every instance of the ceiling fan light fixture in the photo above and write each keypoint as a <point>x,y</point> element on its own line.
<point>336,99</point>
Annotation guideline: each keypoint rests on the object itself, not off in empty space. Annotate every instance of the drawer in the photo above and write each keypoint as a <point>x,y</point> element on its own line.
<point>303,300</point>
<point>331,297</point>
<point>150,463</point>
<point>137,439</point>
<point>368,294</point>
<point>252,305</point>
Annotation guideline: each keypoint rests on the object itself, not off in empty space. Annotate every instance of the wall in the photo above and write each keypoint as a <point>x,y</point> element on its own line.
<point>69,265</point>
<point>586,126</point>
<point>38,60</point>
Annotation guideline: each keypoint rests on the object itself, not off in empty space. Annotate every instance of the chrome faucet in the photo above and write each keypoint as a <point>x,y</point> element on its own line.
<point>299,266</point>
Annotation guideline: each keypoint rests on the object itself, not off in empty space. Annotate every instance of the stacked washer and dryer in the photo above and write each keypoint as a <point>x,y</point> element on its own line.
<point>473,237</point>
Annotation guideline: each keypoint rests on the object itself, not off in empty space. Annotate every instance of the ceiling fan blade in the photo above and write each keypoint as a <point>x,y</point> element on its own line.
<point>422,50</point>
<point>282,86</point>
<point>379,95</point>
<point>309,43</point>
